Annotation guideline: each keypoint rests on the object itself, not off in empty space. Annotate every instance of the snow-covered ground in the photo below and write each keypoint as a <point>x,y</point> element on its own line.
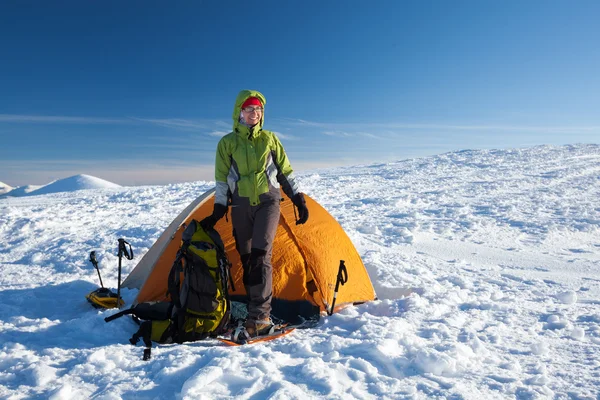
<point>486,264</point>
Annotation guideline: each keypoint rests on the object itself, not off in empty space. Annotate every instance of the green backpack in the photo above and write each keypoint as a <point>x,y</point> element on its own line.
<point>197,285</point>
<point>199,303</point>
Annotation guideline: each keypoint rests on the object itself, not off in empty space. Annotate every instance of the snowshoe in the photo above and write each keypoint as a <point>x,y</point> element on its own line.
<point>104,298</point>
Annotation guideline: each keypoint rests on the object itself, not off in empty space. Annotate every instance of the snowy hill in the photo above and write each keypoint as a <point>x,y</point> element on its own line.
<point>70,184</point>
<point>20,191</point>
<point>485,264</point>
<point>4,188</point>
<point>73,183</point>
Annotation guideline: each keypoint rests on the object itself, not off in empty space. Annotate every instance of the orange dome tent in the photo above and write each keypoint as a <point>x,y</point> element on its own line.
<point>306,259</point>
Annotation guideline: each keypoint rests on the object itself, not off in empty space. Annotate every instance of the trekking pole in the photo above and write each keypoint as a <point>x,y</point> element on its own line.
<point>129,255</point>
<point>342,277</point>
<point>95,264</point>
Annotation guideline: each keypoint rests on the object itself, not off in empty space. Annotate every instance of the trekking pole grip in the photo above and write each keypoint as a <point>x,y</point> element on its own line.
<point>342,278</point>
<point>123,249</point>
<point>129,255</point>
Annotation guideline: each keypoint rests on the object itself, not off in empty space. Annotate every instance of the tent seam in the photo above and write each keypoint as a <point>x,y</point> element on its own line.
<point>288,229</point>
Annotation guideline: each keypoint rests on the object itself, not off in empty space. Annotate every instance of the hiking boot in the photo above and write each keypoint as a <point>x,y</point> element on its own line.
<point>258,328</point>
<point>251,329</point>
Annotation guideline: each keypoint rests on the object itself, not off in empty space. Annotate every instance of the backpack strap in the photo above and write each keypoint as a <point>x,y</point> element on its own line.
<point>144,333</point>
<point>119,315</point>
<point>224,263</point>
<point>174,280</point>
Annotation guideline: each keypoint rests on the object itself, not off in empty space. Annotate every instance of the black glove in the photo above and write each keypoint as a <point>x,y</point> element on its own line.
<point>299,202</point>
<point>218,212</point>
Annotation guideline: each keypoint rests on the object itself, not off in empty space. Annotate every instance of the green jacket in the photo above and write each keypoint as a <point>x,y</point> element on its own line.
<point>251,162</point>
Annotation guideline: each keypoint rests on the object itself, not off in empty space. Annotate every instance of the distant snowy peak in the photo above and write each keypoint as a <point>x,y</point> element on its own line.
<point>73,183</point>
<point>4,188</point>
<point>21,191</point>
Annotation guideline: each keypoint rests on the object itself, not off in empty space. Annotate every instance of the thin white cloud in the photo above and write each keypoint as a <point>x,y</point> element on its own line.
<point>172,123</point>
<point>205,127</point>
<point>177,123</point>
<point>223,124</point>
<point>218,133</point>
<point>175,148</point>
<point>305,123</point>
<point>338,133</point>
<point>285,136</point>
<point>337,128</point>
<point>332,129</point>
<point>53,119</point>
<point>369,135</point>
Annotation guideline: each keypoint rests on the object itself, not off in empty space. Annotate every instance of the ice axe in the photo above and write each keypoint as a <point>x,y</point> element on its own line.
<point>128,255</point>
<point>101,297</point>
<point>342,277</point>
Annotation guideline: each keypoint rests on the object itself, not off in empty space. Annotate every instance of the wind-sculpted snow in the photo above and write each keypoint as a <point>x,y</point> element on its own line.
<point>485,264</point>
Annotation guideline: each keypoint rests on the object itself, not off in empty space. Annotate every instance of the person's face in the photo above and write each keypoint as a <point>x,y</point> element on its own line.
<point>252,115</point>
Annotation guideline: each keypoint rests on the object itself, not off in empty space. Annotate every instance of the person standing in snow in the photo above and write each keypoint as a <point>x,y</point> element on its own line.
<point>251,165</point>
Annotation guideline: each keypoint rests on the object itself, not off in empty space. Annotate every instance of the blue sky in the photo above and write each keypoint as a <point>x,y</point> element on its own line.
<point>139,92</point>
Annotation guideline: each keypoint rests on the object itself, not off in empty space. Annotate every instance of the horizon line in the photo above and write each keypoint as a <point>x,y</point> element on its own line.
<point>161,173</point>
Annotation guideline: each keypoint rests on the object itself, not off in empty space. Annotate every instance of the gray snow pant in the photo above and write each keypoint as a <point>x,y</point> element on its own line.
<point>254,229</point>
